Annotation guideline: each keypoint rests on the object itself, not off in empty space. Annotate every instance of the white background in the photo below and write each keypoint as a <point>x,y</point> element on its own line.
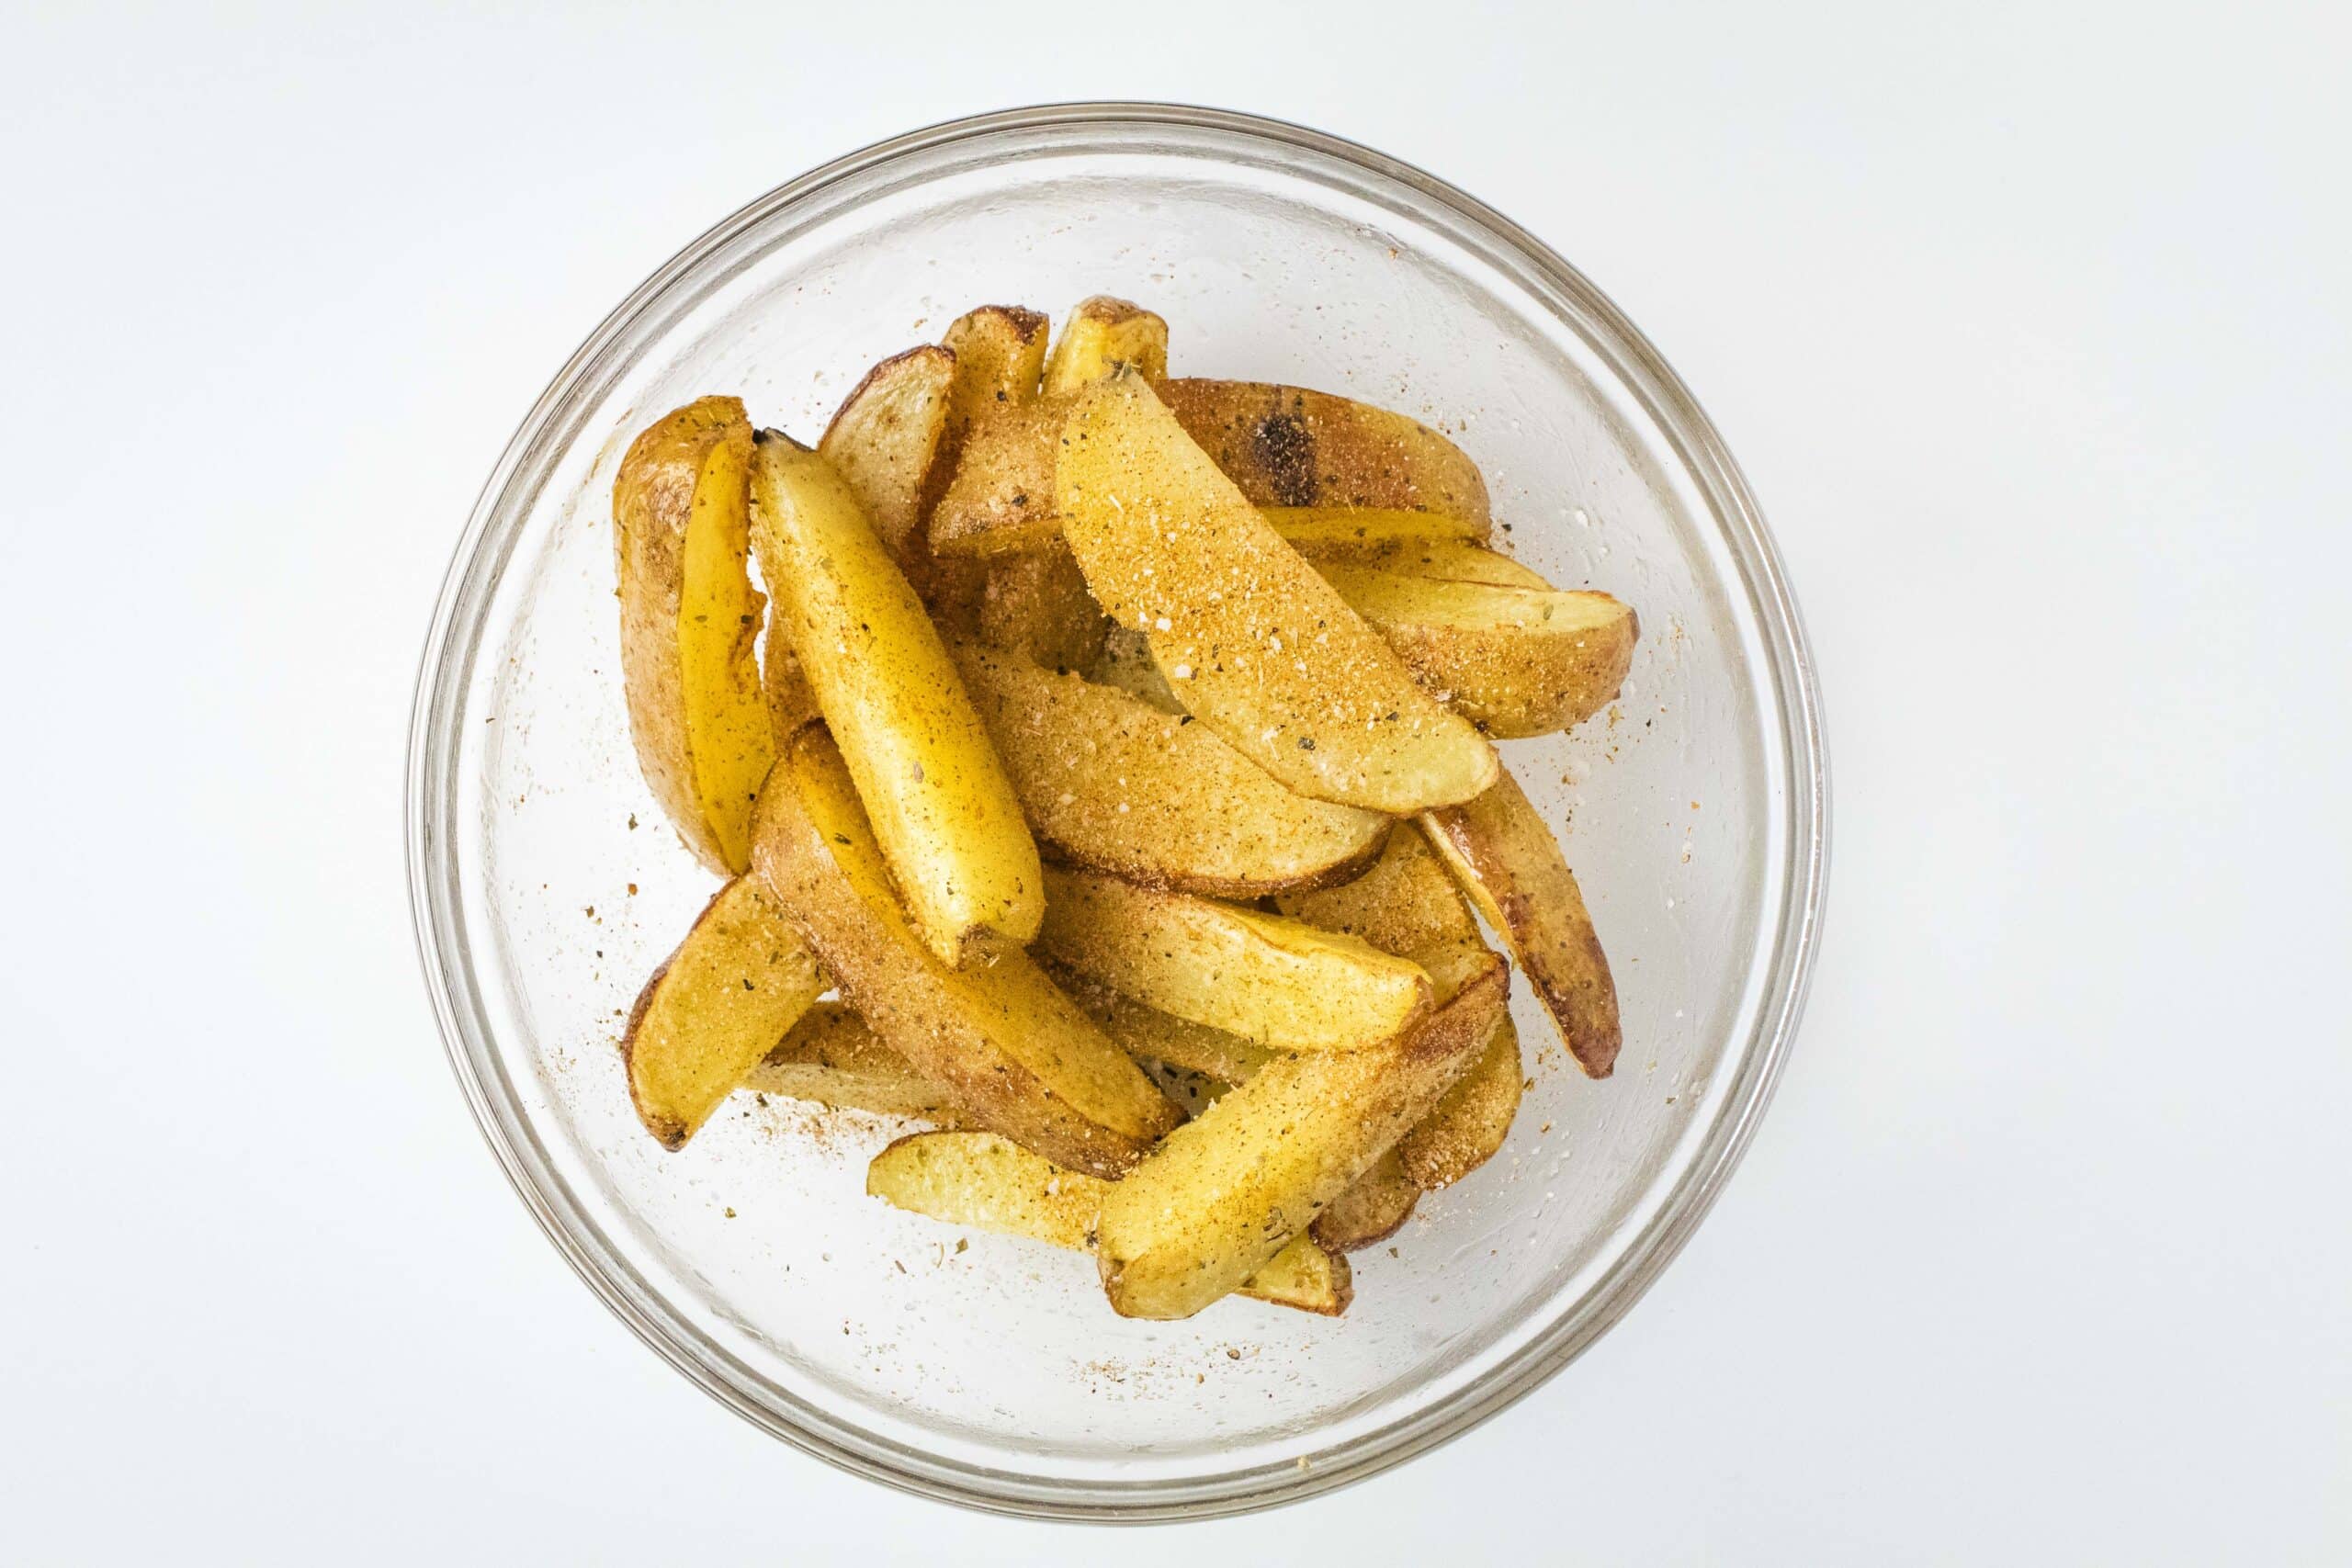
<point>2029,325</point>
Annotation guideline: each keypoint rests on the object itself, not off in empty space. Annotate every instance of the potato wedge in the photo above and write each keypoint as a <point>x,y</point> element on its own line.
<point>791,702</point>
<point>1280,982</point>
<point>1037,606</point>
<point>1509,864</point>
<point>1473,1119</point>
<point>1000,353</point>
<point>882,440</point>
<point>1515,661</point>
<point>1258,647</point>
<point>1114,784</point>
<point>1370,1211</point>
<point>1289,446</point>
<point>1018,1055</point>
<point>690,619</point>
<point>991,1184</point>
<point>716,1007</point>
<point>1223,1193</point>
<point>1101,335</point>
<point>831,1057</point>
<point>947,817</point>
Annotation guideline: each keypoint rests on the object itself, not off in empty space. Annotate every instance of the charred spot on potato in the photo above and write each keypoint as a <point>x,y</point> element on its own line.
<point>1283,448</point>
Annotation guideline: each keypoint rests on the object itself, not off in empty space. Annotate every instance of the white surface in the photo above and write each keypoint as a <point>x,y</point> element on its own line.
<point>2028,325</point>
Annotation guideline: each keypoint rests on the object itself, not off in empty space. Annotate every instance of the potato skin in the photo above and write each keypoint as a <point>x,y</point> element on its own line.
<point>693,685</point>
<point>884,440</point>
<point>1370,1211</point>
<point>1102,333</point>
<point>1472,1121</point>
<point>1256,645</point>
<point>1507,860</point>
<point>1018,1055</point>
<point>714,1009</point>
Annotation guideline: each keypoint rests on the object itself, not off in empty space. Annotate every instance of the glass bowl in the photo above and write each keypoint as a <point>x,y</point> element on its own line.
<point>986,1370</point>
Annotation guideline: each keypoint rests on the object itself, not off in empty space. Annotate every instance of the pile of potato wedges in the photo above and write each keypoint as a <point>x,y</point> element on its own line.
<point>1102,768</point>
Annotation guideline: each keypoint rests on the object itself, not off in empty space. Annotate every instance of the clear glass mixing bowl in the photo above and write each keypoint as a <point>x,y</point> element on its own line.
<point>547,884</point>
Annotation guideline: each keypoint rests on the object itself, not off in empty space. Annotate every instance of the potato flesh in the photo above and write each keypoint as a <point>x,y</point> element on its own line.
<point>1224,1192</point>
<point>690,622</point>
<point>831,1057</point>
<point>1256,645</point>
<point>1448,560</point>
<point>1280,982</point>
<point>1145,1031</point>
<point>1114,784</point>
<point>1101,335</point>
<point>1507,859</point>
<point>1470,1123</point>
<point>1125,662</point>
<point>991,1184</point>
<point>1017,1054</point>
<point>717,1005</point>
<point>947,817</point>
<point>1515,661</point>
<point>1037,606</point>
<point>1350,531</point>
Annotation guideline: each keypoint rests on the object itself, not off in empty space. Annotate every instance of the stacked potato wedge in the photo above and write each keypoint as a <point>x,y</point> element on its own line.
<point>1103,767</point>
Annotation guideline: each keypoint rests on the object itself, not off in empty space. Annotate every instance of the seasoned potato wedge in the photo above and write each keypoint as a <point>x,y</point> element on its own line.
<point>1509,864</point>
<point>882,440</point>
<point>1515,661</point>
<point>832,1057</point>
<point>1114,784</point>
<point>1224,1192</point>
<point>947,817</point>
<point>1100,335</point>
<point>1346,533</point>
<point>1258,647</point>
<point>1280,982</point>
<point>690,621</point>
<point>1370,1211</point>
<point>1037,606</point>
<point>715,1008</point>
<point>1471,1121</point>
<point>1000,353</point>
<point>790,701</point>
<point>991,1184</point>
<point>1289,446</point>
<point>1018,1055</point>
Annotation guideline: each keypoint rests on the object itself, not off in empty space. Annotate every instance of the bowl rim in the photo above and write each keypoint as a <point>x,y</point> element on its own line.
<point>479,559</point>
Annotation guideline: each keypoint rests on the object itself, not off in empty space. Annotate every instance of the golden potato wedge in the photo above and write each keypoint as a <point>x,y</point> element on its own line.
<point>714,1009</point>
<point>1370,1211</point>
<point>1256,646</point>
<point>1018,1055</point>
<point>1000,353</point>
<point>1100,335</point>
<point>1037,606</point>
<point>1125,662</point>
<point>1226,1191</point>
<point>991,1184</point>
<point>1144,1030</point>
<point>1280,982</point>
<point>1451,560</point>
<point>1515,661</point>
<point>1289,446</point>
<point>1509,864</point>
<point>690,621</point>
<point>882,440</point>
<point>1114,784</point>
<point>1472,1119</point>
<point>947,817</point>
<point>831,1057</point>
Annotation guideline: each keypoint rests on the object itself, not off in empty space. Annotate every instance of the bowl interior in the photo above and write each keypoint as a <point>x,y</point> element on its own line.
<point>987,1368</point>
